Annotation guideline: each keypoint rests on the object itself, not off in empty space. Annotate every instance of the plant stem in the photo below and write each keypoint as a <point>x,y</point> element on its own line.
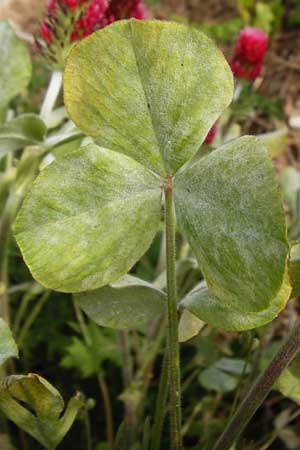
<point>130,416</point>
<point>260,389</point>
<point>160,408</point>
<point>4,298</point>
<point>52,93</point>
<point>108,411</point>
<point>174,357</point>
<point>31,317</point>
<point>82,325</point>
<point>88,433</point>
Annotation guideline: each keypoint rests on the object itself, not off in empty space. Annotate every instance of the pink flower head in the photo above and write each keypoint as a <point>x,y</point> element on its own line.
<point>211,134</point>
<point>249,53</point>
<point>252,44</point>
<point>71,20</point>
<point>46,32</point>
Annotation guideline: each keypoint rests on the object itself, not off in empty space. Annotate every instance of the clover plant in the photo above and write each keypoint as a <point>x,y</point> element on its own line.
<point>147,93</point>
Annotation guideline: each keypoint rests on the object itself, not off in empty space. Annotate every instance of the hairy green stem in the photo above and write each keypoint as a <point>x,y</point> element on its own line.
<point>174,357</point>
<point>52,94</point>
<point>127,369</point>
<point>145,372</point>
<point>260,389</point>
<point>160,408</point>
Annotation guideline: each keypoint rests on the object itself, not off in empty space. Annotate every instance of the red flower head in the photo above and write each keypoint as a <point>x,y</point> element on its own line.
<point>211,134</point>
<point>70,20</point>
<point>249,53</point>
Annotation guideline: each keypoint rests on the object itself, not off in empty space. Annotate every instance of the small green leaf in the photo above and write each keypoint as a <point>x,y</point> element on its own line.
<point>15,64</point>
<point>233,366</point>
<point>290,188</point>
<point>127,303</point>
<point>264,16</point>
<point>8,347</point>
<point>27,129</point>
<point>229,207</point>
<point>189,326</point>
<point>87,219</point>
<point>275,141</point>
<point>149,89</point>
<point>295,270</point>
<point>88,358</point>
<point>223,376</point>
<point>36,406</point>
<point>289,381</point>
<point>217,380</point>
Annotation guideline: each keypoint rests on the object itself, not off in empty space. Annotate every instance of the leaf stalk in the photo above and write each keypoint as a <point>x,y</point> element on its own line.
<point>260,389</point>
<point>173,346</point>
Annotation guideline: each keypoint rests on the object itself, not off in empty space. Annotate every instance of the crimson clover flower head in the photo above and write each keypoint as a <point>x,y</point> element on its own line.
<point>249,53</point>
<point>67,21</point>
<point>211,134</point>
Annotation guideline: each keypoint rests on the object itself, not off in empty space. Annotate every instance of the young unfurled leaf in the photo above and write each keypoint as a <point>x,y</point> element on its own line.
<point>8,347</point>
<point>88,218</point>
<point>229,208</point>
<point>36,406</point>
<point>127,303</point>
<point>15,64</point>
<point>149,89</point>
<point>27,129</point>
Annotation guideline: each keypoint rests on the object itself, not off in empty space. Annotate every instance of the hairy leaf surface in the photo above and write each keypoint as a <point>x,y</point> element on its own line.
<point>127,303</point>
<point>87,219</point>
<point>26,129</point>
<point>149,89</point>
<point>8,347</point>
<point>229,207</point>
<point>15,64</point>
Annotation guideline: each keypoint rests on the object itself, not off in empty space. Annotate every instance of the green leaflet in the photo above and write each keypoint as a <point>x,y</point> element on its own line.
<point>217,380</point>
<point>189,326</point>
<point>87,219</point>
<point>8,347</point>
<point>46,423</point>
<point>26,129</point>
<point>149,89</point>
<point>290,187</point>
<point>88,357</point>
<point>128,303</point>
<point>275,141</point>
<point>15,64</point>
<point>224,374</point>
<point>289,381</point>
<point>228,206</point>
<point>295,270</point>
